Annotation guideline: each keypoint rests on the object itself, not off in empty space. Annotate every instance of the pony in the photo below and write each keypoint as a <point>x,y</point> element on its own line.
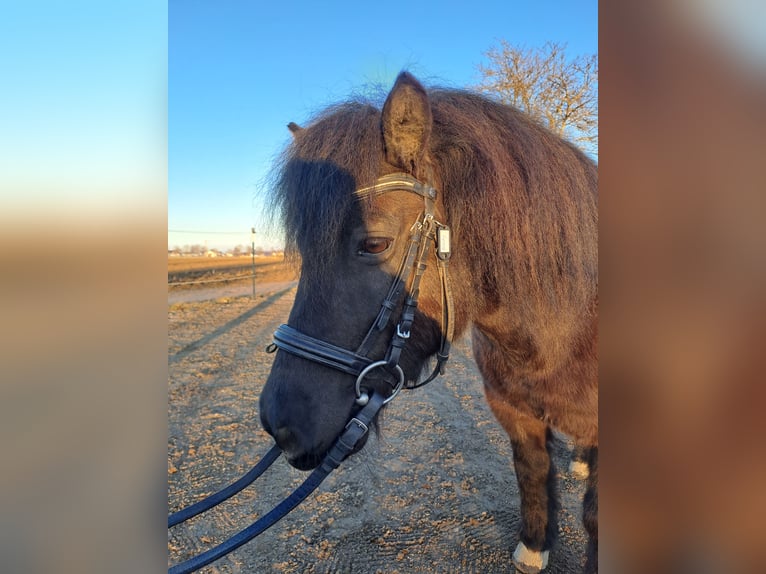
<point>520,206</point>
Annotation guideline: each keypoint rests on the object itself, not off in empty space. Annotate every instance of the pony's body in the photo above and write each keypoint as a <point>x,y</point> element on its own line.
<point>522,206</point>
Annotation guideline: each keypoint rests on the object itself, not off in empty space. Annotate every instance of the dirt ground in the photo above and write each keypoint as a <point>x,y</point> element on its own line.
<point>435,492</point>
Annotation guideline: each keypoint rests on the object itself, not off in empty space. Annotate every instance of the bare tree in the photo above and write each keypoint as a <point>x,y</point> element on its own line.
<point>560,93</point>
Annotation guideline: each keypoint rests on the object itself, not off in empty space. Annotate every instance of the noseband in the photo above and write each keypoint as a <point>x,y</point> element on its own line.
<point>357,363</point>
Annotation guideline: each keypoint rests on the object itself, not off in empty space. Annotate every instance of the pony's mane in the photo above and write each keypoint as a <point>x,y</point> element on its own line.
<point>514,192</point>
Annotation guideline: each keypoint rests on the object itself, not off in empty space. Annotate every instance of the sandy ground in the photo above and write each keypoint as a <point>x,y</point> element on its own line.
<point>434,493</point>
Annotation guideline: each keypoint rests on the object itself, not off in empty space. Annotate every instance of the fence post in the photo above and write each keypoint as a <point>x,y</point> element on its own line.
<point>252,237</point>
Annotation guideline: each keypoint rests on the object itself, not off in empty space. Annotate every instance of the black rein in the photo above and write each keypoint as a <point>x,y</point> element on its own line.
<point>355,430</point>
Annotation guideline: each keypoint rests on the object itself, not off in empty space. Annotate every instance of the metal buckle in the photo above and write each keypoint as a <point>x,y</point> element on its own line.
<point>359,423</point>
<point>402,334</point>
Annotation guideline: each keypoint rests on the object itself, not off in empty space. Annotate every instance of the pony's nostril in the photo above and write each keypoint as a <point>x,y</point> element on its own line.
<point>285,438</point>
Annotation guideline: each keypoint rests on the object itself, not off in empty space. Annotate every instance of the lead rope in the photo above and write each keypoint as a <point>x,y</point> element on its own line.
<point>355,430</point>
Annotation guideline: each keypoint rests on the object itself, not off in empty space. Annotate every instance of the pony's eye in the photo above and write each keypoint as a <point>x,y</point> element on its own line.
<point>374,245</point>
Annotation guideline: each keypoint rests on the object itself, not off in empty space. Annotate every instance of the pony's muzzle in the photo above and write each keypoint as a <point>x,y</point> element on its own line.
<point>289,443</point>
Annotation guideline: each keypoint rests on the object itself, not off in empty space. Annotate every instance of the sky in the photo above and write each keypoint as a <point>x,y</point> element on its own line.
<point>240,71</point>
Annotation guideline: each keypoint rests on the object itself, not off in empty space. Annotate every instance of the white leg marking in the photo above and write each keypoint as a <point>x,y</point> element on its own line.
<point>529,561</point>
<point>579,469</point>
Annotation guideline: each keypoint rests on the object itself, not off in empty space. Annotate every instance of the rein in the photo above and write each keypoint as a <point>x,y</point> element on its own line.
<point>424,231</point>
<point>355,430</point>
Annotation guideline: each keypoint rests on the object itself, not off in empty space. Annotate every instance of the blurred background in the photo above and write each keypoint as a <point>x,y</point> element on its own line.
<point>683,275</point>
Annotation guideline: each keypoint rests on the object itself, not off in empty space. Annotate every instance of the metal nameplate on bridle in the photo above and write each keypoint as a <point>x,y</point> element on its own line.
<point>443,247</point>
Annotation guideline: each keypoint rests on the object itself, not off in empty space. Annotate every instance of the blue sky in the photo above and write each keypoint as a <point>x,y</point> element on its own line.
<point>239,71</point>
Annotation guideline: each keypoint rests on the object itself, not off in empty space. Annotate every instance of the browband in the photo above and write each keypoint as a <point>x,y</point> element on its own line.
<point>397,181</point>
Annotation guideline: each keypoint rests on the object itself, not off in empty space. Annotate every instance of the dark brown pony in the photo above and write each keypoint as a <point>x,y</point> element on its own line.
<point>522,205</point>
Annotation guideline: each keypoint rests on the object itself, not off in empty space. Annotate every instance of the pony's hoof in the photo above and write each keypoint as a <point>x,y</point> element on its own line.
<point>529,561</point>
<point>579,469</point>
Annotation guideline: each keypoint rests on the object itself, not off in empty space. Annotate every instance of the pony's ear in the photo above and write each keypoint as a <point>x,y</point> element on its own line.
<point>294,128</point>
<point>406,124</point>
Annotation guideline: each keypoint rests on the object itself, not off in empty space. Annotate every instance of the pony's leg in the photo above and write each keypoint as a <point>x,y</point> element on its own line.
<point>590,511</point>
<point>531,441</point>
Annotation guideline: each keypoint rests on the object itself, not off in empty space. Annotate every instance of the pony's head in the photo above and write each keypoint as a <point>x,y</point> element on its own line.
<point>356,238</point>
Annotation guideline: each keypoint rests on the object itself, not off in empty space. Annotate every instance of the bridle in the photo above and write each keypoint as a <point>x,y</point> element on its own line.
<point>413,265</point>
<point>424,231</point>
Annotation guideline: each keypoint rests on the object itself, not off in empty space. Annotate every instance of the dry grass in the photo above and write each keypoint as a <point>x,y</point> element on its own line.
<point>191,272</point>
<point>178,264</point>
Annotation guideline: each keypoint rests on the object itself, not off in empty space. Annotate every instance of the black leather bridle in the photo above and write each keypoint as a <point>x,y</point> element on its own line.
<point>423,232</point>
